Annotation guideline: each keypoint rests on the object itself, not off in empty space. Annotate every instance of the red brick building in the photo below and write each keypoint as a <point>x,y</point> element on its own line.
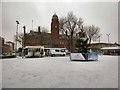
<point>53,39</point>
<point>6,47</point>
<point>1,44</point>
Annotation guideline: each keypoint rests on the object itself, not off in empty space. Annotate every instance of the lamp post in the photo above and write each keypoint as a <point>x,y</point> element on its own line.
<point>99,43</point>
<point>108,37</point>
<point>24,28</point>
<point>99,38</point>
<point>16,36</point>
<point>23,45</point>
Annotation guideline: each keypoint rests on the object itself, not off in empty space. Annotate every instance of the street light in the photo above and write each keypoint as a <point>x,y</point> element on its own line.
<point>16,36</point>
<point>99,42</point>
<point>23,42</point>
<point>108,37</point>
<point>24,36</point>
<point>17,22</point>
<point>99,38</point>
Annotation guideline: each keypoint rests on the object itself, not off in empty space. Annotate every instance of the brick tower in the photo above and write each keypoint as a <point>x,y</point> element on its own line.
<point>55,30</point>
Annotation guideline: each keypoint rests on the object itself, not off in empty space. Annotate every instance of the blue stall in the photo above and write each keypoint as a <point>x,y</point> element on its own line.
<point>84,56</point>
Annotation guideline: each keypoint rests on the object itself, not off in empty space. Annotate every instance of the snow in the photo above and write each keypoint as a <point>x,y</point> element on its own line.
<point>60,72</point>
<point>0,73</point>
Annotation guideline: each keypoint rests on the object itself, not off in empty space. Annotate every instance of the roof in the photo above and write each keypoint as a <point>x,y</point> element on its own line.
<point>34,46</point>
<point>105,44</point>
<point>111,48</point>
<point>44,34</point>
<point>55,48</point>
<point>55,15</point>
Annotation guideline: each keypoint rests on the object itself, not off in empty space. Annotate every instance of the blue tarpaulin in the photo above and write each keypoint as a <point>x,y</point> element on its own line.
<point>92,56</point>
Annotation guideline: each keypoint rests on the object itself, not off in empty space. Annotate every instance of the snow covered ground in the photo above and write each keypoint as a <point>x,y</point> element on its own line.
<point>60,72</point>
<point>0,73</point>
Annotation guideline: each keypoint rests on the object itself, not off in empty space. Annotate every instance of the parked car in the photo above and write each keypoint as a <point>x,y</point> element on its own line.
<point>8,55</point>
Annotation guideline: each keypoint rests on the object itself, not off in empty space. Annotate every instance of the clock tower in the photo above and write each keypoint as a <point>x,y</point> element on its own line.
<point>55,27</point>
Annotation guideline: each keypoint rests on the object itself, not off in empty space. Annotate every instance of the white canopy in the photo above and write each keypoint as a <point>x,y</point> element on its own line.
<point>111,47</point>
<point>34,47</point>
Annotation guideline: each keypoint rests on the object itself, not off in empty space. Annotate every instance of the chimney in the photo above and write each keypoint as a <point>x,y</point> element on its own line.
<point>24,28</point>
<point>39,29</point>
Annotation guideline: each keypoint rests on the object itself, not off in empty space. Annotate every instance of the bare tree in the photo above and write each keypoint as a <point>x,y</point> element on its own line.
<point>62,21</point>
<point>19,38</point>
<point>70,25</point>
<point>43,29</point>
<point>92,32</point>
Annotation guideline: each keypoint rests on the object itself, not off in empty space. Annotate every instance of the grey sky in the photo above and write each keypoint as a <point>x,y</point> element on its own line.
<point>0,19</point>
<point>102,14</point>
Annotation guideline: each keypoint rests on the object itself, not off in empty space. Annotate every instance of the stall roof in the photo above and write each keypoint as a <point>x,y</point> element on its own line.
<point>111,47</point>
<point>34,46</point>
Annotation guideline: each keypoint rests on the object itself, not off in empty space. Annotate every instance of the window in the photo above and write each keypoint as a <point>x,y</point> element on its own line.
<point>55,26</point>
<point>28,50</point>
<point>56,50</point>
<point>62,50</point>
<point>39,49</point>
<point>60,42</point>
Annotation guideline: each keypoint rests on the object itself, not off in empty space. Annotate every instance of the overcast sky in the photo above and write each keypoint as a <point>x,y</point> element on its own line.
<point>101,14</point>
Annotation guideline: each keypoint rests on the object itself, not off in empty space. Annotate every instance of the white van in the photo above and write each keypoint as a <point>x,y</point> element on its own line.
<point>57,51</point>
<point>34,51</point>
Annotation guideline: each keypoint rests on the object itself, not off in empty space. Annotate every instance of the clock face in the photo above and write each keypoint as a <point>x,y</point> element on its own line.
<point>55,26</point>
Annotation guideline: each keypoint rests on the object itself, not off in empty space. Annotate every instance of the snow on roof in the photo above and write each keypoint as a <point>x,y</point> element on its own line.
<point>55,48</point>
<point>34,46</point>
<point>111,47</point>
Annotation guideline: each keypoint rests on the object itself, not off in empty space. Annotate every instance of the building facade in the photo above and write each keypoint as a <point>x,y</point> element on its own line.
<point>6,47</point>
<point>97,46</point>
<point>49,40</point>
<point>1,44</point>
